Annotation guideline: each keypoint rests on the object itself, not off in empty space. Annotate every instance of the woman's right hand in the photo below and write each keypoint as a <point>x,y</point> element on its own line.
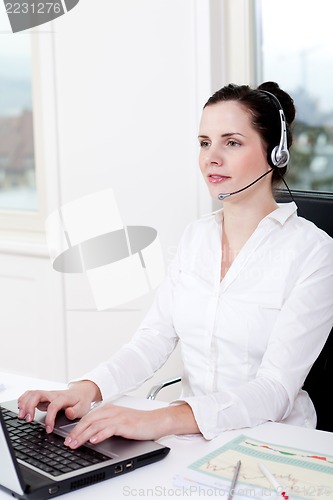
<point>76,401</point>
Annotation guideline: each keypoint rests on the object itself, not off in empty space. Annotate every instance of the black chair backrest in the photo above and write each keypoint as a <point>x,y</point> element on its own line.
<point>318,208</point>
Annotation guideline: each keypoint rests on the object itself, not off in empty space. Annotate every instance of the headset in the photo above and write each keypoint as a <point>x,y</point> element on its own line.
<point>280,154</point>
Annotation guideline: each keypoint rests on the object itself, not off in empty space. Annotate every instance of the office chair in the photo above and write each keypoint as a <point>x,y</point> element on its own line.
<point>153,391</point>
<point>318,208</point>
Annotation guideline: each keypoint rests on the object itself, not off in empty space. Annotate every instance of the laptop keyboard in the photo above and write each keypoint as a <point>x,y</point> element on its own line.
<point>46,452</point>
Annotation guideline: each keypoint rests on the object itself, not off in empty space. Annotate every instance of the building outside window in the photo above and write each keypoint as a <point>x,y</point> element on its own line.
<point>295,49</point>
<point>17,156</point>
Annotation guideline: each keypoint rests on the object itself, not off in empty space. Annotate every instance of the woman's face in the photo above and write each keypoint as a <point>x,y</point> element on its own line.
<point>232,154</point>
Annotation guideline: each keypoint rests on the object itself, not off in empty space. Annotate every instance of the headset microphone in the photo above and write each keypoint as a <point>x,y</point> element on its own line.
<point>222,196</point>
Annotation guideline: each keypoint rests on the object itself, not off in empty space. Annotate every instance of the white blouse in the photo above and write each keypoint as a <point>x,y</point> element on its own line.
<point>248,341</point>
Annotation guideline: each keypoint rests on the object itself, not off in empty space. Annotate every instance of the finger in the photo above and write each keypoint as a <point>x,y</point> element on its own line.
<point>102,434</point>
<point>28,402</point>
<point>89,425</point>
<point>97,430</point>
<point>22,404</point>
<point>70,413</point>
<point>51,414</point>
<point>77,410</point>
<point>58,402</point>
<point>43,406</point>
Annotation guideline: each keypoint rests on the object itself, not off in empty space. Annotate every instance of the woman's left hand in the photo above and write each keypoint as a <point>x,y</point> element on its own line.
<point>112,420</point>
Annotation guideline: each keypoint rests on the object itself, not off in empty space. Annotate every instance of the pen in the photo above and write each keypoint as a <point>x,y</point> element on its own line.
<point>273,481</point>
<point>234,480</point>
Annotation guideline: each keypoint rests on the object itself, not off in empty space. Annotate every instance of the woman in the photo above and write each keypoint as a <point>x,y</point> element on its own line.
<point>248,296</point>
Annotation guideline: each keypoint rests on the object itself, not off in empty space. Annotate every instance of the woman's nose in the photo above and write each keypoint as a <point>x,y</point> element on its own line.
<point>214,157</point>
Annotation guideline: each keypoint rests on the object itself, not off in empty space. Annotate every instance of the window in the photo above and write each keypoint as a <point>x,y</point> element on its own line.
<point>17,157</point>
<point>295,49</point>
<point>27,119</point>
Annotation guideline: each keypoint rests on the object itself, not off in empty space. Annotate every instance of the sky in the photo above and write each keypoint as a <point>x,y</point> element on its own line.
<point>298,46</point>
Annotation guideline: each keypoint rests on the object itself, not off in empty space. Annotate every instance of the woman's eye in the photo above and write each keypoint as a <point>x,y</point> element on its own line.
<point>233,143</point>
<point>204,144</point>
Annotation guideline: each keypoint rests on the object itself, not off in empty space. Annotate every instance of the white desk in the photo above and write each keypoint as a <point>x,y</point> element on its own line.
<point>155,480</point>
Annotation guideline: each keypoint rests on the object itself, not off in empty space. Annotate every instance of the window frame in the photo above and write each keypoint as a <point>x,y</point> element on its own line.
<point>239,33</point>
<point>29,226</point>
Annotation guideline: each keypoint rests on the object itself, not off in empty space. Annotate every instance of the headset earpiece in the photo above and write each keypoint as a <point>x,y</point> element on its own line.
<point>280,154</point>
<point>281,159</point>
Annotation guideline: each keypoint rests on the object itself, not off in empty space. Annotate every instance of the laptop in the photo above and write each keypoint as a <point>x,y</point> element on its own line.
<point>37,465</point>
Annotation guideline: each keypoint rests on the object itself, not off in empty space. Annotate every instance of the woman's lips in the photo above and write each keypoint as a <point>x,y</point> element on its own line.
<point>216,179</point>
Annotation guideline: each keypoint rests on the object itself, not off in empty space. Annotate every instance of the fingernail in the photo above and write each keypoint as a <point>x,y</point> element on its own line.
<point>28,417</point>
<point>93,439</point>
<point>20,413</point>
<point>67,441</point>
<point>73,443</point>
<point>48,429</point>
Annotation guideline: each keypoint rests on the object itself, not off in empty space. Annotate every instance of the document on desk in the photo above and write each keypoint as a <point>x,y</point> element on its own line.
<point>302,474</point>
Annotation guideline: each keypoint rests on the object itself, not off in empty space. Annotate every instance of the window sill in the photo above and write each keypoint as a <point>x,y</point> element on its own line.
<point>35,247</point>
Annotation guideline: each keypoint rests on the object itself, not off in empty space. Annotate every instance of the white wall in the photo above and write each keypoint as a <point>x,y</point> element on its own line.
<point>32,319</point>
<point>120,89</point>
